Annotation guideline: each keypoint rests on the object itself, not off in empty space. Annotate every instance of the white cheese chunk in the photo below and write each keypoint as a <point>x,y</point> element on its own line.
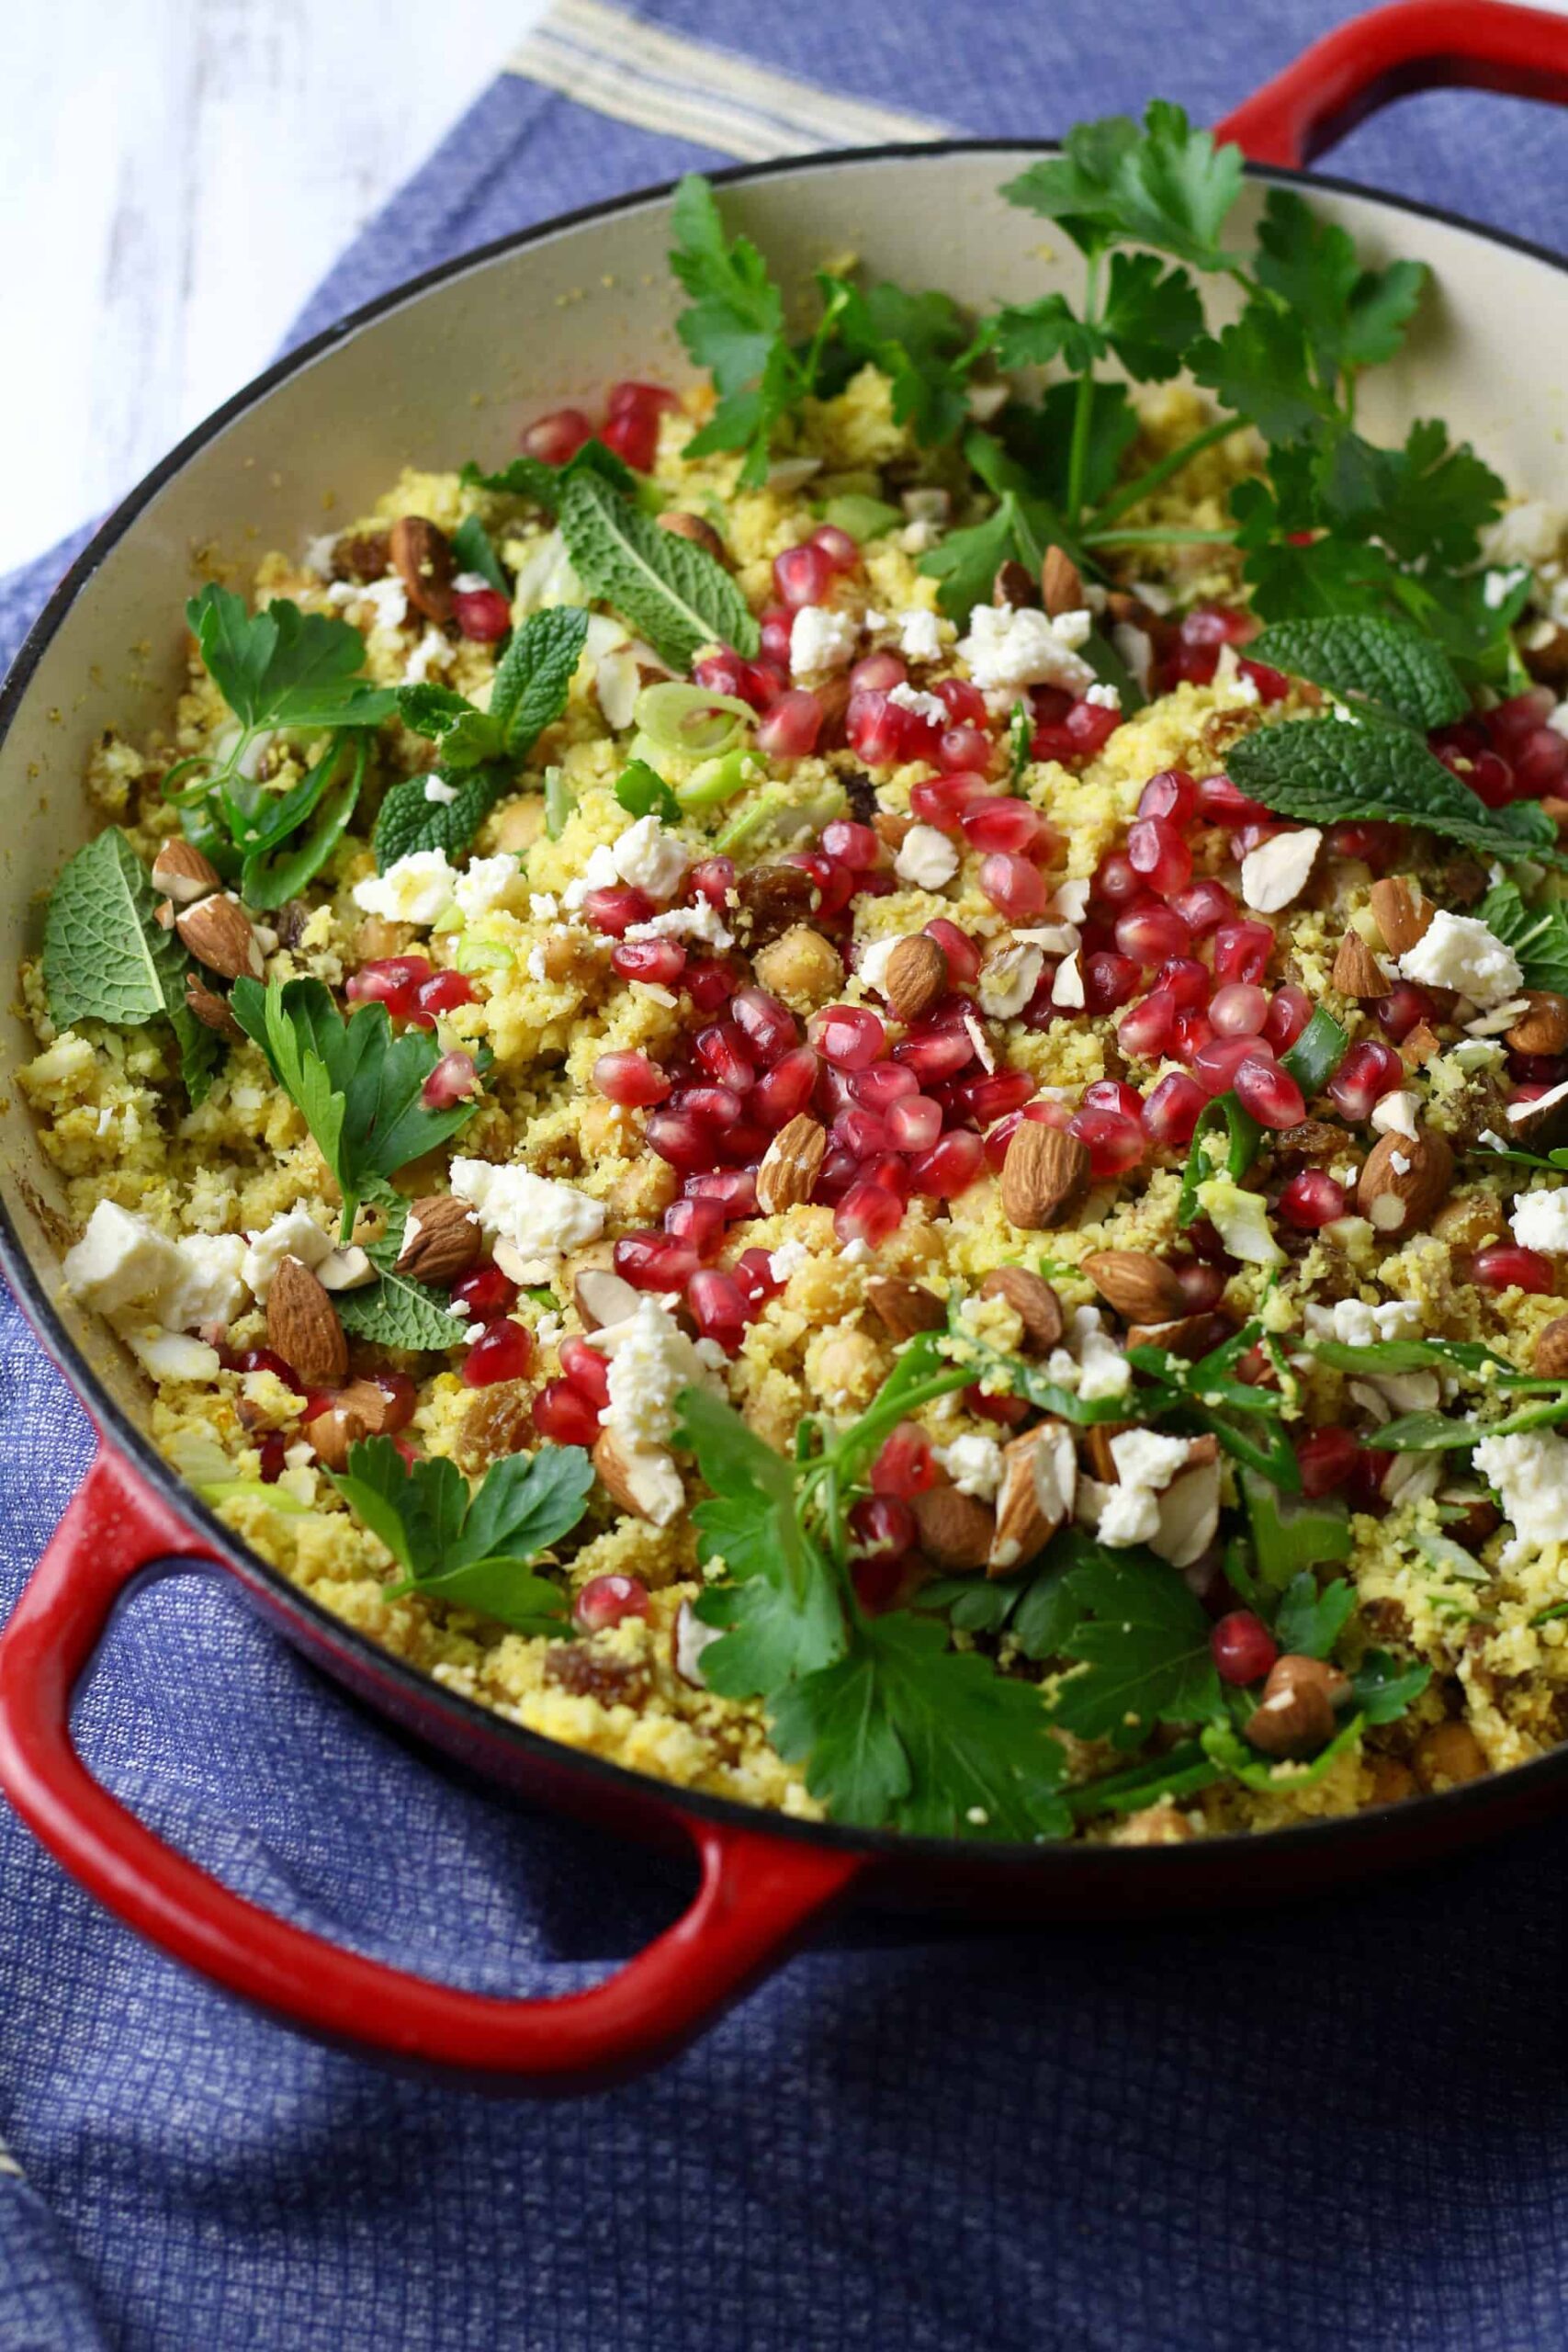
<point>920,634</point>
<point>651,858</point>
<point>973,1464</point>
<point>1459,952</point>
<point>295,1234</point>
<point>651,1360</point>
<point>484,885</point>
<point>540,1218</point>
<point>1529,1471</point>
<point>123,1263</point>
<point>821,640</point>
<point>1007,650</point>
<point>601,873</point>
<point>1541,1222</point>
<point>925,858</point>
<point>416,889</point>
<point>921,705</point>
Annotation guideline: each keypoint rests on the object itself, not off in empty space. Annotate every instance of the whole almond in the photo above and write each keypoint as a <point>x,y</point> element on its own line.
<point>1404,1181</point>
<point>788,1170</point>
<point>681,525</point>
<point>441,1239</point>
<point>1012,585</point>
<point>212,1011</point>
<point>1550,1358</point>
<point>219,935</point>
<point>1544,1028</point>
<point>1044,1175</point>
<point>1039,1479</point>
<point>180,870</point>
<point>1295,1715</point>
<point>1136,1284</point>
<point>1357,971</point>
<point>1402,915</point>
<point>916,977</point>
<point>1061,582</point>
<point>302,1325</point>
<point>421,556</point>
<point>904,1309</point>
<point>1034,1301</point>
<point>956,1531</point>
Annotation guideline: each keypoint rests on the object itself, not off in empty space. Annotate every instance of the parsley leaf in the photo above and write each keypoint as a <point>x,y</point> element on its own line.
<point>1353,317</point>
<point>1165,184</point>
<point>359,1089</point>
<point>1143,1641</point>
<point>281,667</point>
<point>1150,316</point>
<point>1387,661</point>
<point>1261,366</point>
<point>1309,1622</point>
<point>472,1548</point>
<point>1382,1690</point>
<point>920,343</point>
<point>670,590</point>
<point>107,957</point>
<point>1538,935</point>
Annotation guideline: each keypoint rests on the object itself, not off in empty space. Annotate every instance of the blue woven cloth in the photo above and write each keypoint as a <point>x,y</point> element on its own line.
<point>1344,2125</point>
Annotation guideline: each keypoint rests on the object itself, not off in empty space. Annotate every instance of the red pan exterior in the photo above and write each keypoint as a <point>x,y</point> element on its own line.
<point>763,1880</point>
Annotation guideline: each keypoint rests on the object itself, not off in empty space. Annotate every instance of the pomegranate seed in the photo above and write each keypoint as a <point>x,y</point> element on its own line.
<point>1184,981</point>
<point>835,883</point>
<point>735,1189</point>
<point>963,955</point>
<point>754,1273</point>
<point>558,437</point>
<point>1109,980</point>
<point>1325,1459</point>
<point>1403,1009</point>
<point>1241,1647</point>
<point>632,394</point>
<point>452,1081</point>
<point>1170,1110</point>
<point>483,614</point>
<point>687,1143</point>
<point>1189,1030</point>
<point>891,1171</point>
<point>965,705</point>
<point>614,910</point>
<point>1365,1075</point>
<point>915,1123</point>
<point>791,727</point>
<point>1540,763</point>
<point>1157,855</point>
<point>905,1465</point>
<point>1151,933</point>
<point>484,1292</point>
<point>1242,951</point>
<point>1289,1012</point>
<point>1491,778</point>
<point>1203,905</point>
<point>966,748</point>
<point>1512,721</point>
<point>803,575</point>
<point>444,991</point>
<point>874,727</point>
<point>504,1351</point>
<point>654,1260</point>
<point>1378,842</point>
<point>863,1134</point>
<point>1172,795</point>
<point>851,844</point>
<point>1113,1141</point>
<point>1364,1487</point>
<point>1504,1265</point>
<point>993,1097</point>
<point>949,1167</point>
<point>847,1037</point>
<point>268,1360</point>
<point>1112,1094</point>
<point>709,983</point>
<point>768,1027</point>
<point>588,1372</point>
<point>1015,887</point>
<point>718,1308</point>
<point>1217,624</point>
<point>945,800</point>
<point>391,980</point>
<point>1012,826</point>
<point>1312,1199</point>
<point>604,1602</point>
<point>273,1452</point>
<point>634,436</point>
<point>1215,1063</point>
<point>1272,684</point>
<point>659,962</point>
<point>1007,1411</point>
<point>867,1212</point>
<point>630,1080</point>
<point>721,1049</point>
<point>884,1083</point>
<point>1224,803</point>
<point>1115,883</point>
<point>713,1106</point>
<point>1267,1093</point>
<point>712,879</point>
<point>699,1221</point>
<point>878,673</point>
<point>786,1088</point>
<point>934,1054</point>
<point>1238,1010</point>
<point>756,682</point>
<point>1145,1032</point>
<point>881,1527</point>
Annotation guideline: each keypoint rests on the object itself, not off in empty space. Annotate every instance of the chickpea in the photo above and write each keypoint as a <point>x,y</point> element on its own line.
<point>802,967</point>
<point>1448,1754</point>
<point>376,937</point>
<point>848,1363</point>
<point>1469,1221</point>
<point>518,826</point>
<point>1392,1781</point>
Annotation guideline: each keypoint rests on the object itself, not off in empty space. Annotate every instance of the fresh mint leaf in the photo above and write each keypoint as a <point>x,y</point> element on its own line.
<point>472,552</point>
<point>282,667</point>
<point>535,675</point>
<point>643,793</point>
<point>1538,935</point>
<point>1309,1621</point>
<point>472,1549</point>
<point>395,1311</point>
<point>107,957</point>
<point>467,737</point>
<point>905,1731</point>
<point>1382,1690</point>
<point>1353,317</point>
<point>359,1089</point>
<point>672,593</point>
<point>410,820</point>
<point>1383,660</point>
<point>1142,1642</point>
<point>543,484</point>
<point>1326,773</point>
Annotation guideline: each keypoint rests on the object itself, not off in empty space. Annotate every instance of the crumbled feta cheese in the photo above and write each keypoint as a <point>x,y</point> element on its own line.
<point>416,889</point>
<point>700,923</point>
<point>1071,901</point>
<point>432,652</point>
<point>925,858</point>
<point>485,884</point>
<point>318,555</point>
<point>1529,1471</point>
<point>973,1464</point>
<point>1007,650</point>
<point>921,705</point>
<point>919,634</point>
<point>440,792</point>
<point>1103,697</point>
<point>540,1218</point>
<point>388,600</point>
<point>601,873</point>
<point>170,1355</point>
<point>1066,989</point>
<point>543,905</point>
<point>1394,1114</point>
<point>821,640</point>
<point>874,959</point>
<point>1104,1370</point>
<point>1358,1325</point>
<point>295,1234</point>
<point>1459,952</point>
<point>1145,1462</point>
<point>651,858</point>
<point>469,583</point>
<point>1528,533</point>
<point>1008,978</point>
<point>123,1262</point>
<point>788,1259</point>
<point>1540,1220</point>
<point>651,1360</point>
<point>1274,874</point>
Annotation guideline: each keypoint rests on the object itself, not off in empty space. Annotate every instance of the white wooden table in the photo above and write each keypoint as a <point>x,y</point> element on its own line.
<point>174,178</point>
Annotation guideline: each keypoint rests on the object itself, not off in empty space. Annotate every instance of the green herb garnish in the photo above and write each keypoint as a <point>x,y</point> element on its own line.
<point>474,1548</point>
<point>670,590</point>
<point>107,957</point>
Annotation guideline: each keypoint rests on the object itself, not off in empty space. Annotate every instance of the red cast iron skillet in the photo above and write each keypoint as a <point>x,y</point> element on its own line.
<point>763,1879</point>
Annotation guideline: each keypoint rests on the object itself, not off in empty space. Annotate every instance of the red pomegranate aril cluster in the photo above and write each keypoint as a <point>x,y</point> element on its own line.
<point>630,427</point>
<point>1268,1092</point>
<point>453,1079</point>
<point>484,1292</point>
<point>1327,1460</point>
<point>1368,1072</point>
<point>482,614</point>
<point>1172,1110</point>
<point>606,1602</point>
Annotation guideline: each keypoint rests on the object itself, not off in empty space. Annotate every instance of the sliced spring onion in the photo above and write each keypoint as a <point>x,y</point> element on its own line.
<point>676,717</point>
<point>717,781</point>
<point>863,518</point>
<point>483,956</point>
<point>559,802</point>
<point>1290,1534</point>
<point>225,1490</point>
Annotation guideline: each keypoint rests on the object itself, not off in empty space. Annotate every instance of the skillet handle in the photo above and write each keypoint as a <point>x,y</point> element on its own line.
<point>757,1894</point>
<point>1413,45</point>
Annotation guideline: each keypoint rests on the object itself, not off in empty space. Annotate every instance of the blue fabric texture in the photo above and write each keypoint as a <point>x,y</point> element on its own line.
<point>1343,2125</point>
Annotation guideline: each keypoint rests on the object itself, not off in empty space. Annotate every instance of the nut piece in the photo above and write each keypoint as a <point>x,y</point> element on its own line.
<point>789,1168</point>
<point>359,1410</point>
<point>1446,1755</point>
<point>1039,1475</point>
<point>1295,1715</point>
<point>956,1531</point>
<point>1136,1284</point>
<point>1357,971</point>
<point>182,873</point>
<point>1034,1301</point>
<point>1061,583</point>
<point>638,1482</point>
<point>1188,1337</point>
<point>1550,1357</point>
<point>1421,1045</point>
<point>602,1297</point>
<point>904,1309</point>
<point>1402,915</point>
<point>1012,585</point>
<point>681,525</point>
<point>1405,1180</point>
<point>302,1325</point>
<point>1544,1028</point>
<point>801,966</point>
<point>211,1010</point>
<point>916,977</point>
<point>219,935</point>
<point>441,1238</point>
<point>421,556</point>
<point>1044,1175</point>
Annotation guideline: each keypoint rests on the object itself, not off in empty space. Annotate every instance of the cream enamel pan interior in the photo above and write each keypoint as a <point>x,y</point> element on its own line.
<point>450,368</point>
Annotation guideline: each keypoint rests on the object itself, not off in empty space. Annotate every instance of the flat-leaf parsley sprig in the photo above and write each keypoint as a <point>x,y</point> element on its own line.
<point>473,1548</point>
